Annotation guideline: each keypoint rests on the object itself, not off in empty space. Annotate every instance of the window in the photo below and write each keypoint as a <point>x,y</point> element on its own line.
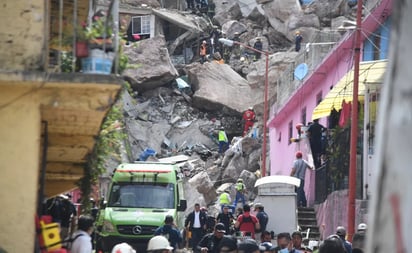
<point>376,48</point>
<point>319,98</point>
<point>290,132</point>
<point>141,25</point>
<point>143,195</point>
<point>303,116</point>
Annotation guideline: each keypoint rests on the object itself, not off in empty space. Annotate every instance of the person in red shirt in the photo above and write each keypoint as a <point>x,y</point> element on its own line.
<point>247,223</point>
<point>249,118</point>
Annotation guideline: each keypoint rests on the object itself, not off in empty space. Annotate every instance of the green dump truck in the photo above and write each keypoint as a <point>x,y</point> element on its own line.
<point>140,196</point>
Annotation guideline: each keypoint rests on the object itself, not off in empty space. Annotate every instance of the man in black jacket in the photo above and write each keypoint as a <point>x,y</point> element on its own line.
<point>210,242</point>
<point>196,223</point>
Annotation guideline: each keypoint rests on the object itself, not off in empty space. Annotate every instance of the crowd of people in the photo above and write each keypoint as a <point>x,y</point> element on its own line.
<point>211,49</point>
<point>241,230</point>
<point>219,241</point>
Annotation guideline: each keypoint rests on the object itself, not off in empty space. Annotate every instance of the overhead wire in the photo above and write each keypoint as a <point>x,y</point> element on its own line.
<point>375,18</point>
<point>372,43</point>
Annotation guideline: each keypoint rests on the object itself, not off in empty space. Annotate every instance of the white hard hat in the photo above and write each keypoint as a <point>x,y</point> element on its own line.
<point>158,243</point>
<point>362,226</point>
<point>250,108</point>
<point>123,248</point>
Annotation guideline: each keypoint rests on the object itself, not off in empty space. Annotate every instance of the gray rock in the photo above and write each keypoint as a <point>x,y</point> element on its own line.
<point>149,64</point>
<point>215,87</point>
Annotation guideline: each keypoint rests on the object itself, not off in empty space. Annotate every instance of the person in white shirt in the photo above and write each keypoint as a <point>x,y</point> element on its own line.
<point>82,241</point>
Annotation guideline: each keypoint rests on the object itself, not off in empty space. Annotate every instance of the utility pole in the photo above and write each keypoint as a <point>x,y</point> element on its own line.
<point>354,125</point>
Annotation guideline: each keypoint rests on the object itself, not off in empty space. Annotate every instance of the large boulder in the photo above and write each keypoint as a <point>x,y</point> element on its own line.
<point>202,183</point>
<point>226,10</point>
<point>232,26</point>
<point>215,87</point>
<point>149,64</point>
<point>330,9</point>
<point>236,165</point>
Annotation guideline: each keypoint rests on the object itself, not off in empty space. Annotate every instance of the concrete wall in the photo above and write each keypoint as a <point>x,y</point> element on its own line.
<point>22,34</point>
<point>19,166</point>
<point>333,212</point>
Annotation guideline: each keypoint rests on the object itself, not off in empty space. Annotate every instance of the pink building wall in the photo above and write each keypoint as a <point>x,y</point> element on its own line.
<point>335,65</point>
<point>282,154</point>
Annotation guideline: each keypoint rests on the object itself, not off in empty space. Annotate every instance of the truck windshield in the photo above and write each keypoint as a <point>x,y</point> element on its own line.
<point>141,195</point>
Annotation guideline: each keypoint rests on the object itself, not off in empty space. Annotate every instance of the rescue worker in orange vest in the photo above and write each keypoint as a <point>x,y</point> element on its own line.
<point>218,58</point>
<point>249,118</point>
<point>203,52</point>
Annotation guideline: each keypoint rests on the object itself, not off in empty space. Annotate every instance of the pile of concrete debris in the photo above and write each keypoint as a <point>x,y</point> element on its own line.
<point>169,123</point>
<point>175,107</point>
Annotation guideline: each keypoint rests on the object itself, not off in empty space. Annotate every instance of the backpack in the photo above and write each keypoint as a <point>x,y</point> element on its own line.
<point>210,223</point>
<point>67,243</point>
<point>247,219</point>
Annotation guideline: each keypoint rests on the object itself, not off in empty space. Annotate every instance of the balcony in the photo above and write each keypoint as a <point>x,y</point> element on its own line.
<point>80,42</point>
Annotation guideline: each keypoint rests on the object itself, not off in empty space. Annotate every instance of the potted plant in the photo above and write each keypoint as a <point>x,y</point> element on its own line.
<point>82,45</point>
<point>100,33</point>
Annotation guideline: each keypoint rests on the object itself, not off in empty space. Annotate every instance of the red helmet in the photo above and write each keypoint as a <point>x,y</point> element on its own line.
<point>299,154</point>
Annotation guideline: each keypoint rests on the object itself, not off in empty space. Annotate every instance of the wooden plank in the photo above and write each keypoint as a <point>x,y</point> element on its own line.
<point>85,141</point>
<point>62,177</point>
<point>55,187</point>
<point>67,154</point>
<point>72,121</point>
<point>68,168</point>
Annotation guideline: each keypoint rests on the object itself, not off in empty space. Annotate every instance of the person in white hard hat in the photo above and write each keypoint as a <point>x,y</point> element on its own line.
<point>362,227</point>
<point>358,239</point>
<point>123,248</point>
<point>159,244</point>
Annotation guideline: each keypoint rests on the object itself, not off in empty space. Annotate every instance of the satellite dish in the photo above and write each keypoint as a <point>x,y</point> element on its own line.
<point>301,71</point>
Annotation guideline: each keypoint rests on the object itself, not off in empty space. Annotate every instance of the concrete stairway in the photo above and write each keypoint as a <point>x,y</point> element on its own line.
<point>307,222</point>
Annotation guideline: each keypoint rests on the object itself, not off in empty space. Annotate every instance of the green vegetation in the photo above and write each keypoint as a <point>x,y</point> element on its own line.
<point>108,145</point>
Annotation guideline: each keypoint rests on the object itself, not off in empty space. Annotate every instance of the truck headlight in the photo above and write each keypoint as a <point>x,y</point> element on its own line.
<point>108,227</point>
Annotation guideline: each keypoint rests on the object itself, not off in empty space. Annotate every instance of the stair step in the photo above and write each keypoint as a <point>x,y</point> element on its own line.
<point>306,215</point>
<point>308,225</point>
<point>307,220</point>
<point>310,218</point>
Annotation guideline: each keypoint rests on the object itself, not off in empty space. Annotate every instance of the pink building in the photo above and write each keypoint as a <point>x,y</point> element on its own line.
<point>316,85</point>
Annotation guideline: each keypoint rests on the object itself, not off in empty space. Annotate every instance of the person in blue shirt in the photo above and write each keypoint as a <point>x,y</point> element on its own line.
<point>169,231</point>
<point>298,41</point>
<point>258,46</point>
<point>341,232</point>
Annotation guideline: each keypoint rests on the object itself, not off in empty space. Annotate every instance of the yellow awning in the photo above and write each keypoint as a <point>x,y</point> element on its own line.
<point>370,72</point>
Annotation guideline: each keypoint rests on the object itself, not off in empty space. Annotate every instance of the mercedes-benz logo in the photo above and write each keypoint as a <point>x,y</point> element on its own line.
<point>137,230</point>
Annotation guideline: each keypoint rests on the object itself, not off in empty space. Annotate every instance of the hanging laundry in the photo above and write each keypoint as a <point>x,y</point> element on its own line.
<point>345,113</point>
<point>333,118</point>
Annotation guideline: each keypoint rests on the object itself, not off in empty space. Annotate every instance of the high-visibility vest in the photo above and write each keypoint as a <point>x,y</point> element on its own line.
<point>240,186</point>
<point>222,136</point>
<point>224,198</point>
